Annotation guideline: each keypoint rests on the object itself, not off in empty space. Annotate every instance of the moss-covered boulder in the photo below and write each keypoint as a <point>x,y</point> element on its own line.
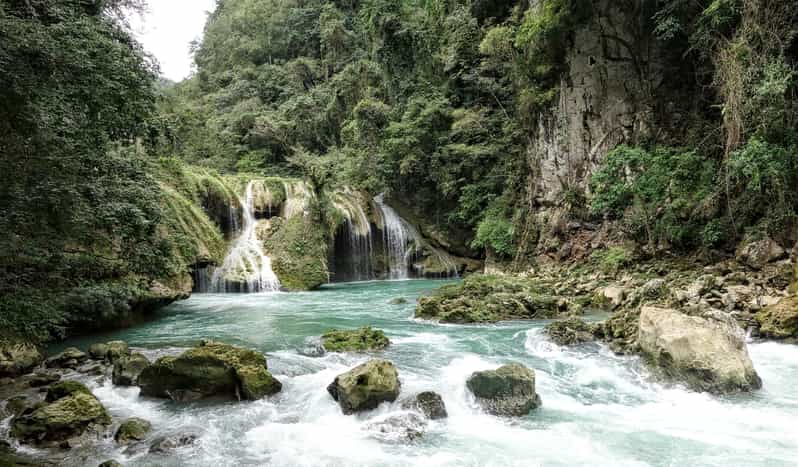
<point>488,299</point>
<point>69,358</point>
<point>706,353</point>
<point>132,429</point>
<point>127,369</point>
<point>366,386</point>
<point>298,249</point>
<point>571,331</point>
<point>212,369</point>
<point>65,417</point>
<point>356,340</point>
<point>18,358</point>
<point>506,391</point>
<point>64,389</point>
<point>780,321</point>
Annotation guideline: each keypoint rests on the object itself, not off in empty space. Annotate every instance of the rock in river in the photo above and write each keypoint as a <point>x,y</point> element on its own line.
<point>132,429</point>
<point>356,340</point>
<point>366,386</point>
<point>18,358</point>
<point>212,369</point>
<point>428,403</point>
<point>706,353</point>
<point>780,321</point>
<point>507,391</point>
<point>127,369</point>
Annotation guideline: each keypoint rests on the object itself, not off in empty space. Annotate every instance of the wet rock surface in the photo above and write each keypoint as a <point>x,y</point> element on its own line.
<point>356,340</point>
<point>366,386</point>
<point>506,391</point>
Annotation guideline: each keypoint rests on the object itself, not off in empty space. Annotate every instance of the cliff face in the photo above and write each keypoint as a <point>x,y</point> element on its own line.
<point>609,95</point>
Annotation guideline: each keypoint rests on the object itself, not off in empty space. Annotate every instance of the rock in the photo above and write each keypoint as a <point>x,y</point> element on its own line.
<point>69,358</point>
<point>366,386</point>
<point>132,429</point>
<point>64,389</point>
<point>98,351</point>
<point>428,403</point>
<point>117,350</point>
<point>111,463</point>
<point>212,369</point>
<point>756,254</point>
<point>66,417</point>
<point>707,354</point>
<point>18,358</point>
<point>398,428</point>
<point>16,405</point>
<point>780,320</point>
<point>127,369</point>
<point>357,340</point>
<point>397,301</point>
<point>488,299</point>
<point>506,391</point>
<point>167,444</point>
<point>614,296</point>
<point>571,331</point>
<point>43,379</point>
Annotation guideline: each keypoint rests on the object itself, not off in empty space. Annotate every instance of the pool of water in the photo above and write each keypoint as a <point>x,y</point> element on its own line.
<point>598,409</point>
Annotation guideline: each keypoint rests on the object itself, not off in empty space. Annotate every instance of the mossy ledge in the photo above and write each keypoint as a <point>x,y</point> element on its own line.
<point>355,340</point>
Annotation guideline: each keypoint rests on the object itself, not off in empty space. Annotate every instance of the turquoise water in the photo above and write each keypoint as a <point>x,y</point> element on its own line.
<point>598,408</point>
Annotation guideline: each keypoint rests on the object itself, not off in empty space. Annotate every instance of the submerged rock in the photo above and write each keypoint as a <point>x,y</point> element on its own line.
<point>167,444</point>
<point>780,321</point>
<point>127,369</point>
<point>707,354</point>
<point>428,403</point>
<point>398,428</point>
<point>488,299</point>
<point>366,386</point>
<point>571,331</point>
<point>132,429</point>
<point>357,340</point>
<point>506,391</point>
<point>73,409</point>
<point>212,369</point>
<point>397,301</point>
<point>18,358</point>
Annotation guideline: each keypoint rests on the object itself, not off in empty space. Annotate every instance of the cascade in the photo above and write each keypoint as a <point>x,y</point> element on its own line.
<point>401,241</point>
<point>297,198</point>
<point>246,267</point>
<point>358,262</point>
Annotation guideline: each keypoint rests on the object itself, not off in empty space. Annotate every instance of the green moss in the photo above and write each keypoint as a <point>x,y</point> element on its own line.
<point>62,419</point>
<point>132,429</point>
<point>65,388</point>
<point>488,299</point>
<point>298,249</point>
<point>357,340</point>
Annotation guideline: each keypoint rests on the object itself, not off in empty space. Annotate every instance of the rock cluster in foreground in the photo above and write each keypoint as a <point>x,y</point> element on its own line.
<point>366,386</point>
<point>506,391</point>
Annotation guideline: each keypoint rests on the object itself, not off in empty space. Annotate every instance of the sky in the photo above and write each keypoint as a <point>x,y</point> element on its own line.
<point>166,30</point>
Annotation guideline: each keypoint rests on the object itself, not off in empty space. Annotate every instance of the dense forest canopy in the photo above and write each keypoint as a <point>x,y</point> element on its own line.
<point>435,103</point>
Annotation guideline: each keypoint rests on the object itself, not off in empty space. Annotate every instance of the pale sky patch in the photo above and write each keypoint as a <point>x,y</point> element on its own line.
<point>166,30</point>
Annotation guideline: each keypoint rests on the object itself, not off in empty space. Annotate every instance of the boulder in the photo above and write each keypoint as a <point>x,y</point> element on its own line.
<point>357,340</point>
<point>757,253</point>
<point>428,403</point>
<point>571,331</point>
<point>132,429</point>
<point>40,379</point>
<point>167,444</point>
<point>65,417</point>
<point>16,405</point>
<point>18,358</point>
<point>365,386</point>
<point>706,353</point>
<point>127,369</point>
<point>397,301</point>
<point>506,391</point>
<point>614,296</point>
<point>64,389</point>
<point>69,358</point>
<point>212,369</point>
<point>98,351</point>
<point>117,350</point>
<point>780,320</point>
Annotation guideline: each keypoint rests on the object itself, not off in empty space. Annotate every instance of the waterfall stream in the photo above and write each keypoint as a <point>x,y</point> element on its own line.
<point>400,239</point>
<point>246,267</point>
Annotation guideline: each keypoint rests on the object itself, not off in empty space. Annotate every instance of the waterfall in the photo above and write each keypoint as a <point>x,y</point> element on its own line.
<point>297,198</point>
<point>400,239</point>
<point>358,263</point>
<point>246,267</point>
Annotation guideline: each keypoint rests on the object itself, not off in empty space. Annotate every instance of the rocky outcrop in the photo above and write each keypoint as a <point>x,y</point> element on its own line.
<point>758,253</point>
<point>366,386</point>
<point>706,353</point>
<point>488,299</point>
<point>780,321</point>
<point>571,331</point>
<point>69,358</point>
<point>298,249</point>
<point>127,369</point>
<point>18,358</point>
<point>71,410</point>
<point>506,391</point>
<point>211,369</point>
<point>357,340</point>
<point>131,430</point>
<point>428,403</point>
